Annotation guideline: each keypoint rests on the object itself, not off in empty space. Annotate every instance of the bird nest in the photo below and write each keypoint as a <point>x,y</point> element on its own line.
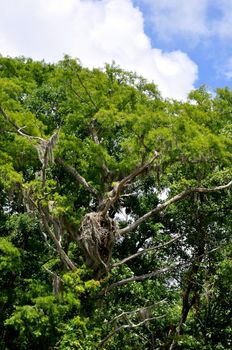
<point>97,237</point>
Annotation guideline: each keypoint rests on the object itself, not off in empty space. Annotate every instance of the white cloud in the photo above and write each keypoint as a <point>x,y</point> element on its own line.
<point>5,47</point>
<point>179,17</point>
<point>96,31</point>
<point>222,25</point>
<point>228,69</point>
<point>193,19</point>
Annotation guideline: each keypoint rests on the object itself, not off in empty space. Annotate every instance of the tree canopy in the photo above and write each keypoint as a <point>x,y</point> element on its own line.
<point>115,225</point>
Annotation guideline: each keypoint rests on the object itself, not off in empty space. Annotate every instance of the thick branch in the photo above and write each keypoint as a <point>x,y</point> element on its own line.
<point>116,192</point>
<point>80,179</point>
<point>133,256</point>
<point>170,201</point>
<point>57,281</point>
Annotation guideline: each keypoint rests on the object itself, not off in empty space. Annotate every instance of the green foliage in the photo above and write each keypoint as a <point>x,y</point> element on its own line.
<point>109,123</point>
<point>9,258</point>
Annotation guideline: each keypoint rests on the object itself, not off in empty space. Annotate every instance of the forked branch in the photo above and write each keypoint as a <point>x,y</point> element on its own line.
<point>118,188</point>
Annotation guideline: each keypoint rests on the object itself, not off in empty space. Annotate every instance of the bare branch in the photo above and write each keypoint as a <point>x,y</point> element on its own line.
<point>128,326</point>
<point>160,271</point>
<point>146,308</point>
<point>141,277</point>
<point>157,247</point>
<point>80,179</point>
<point>57,281</point>
<point>170,201</point>
<point>116,192</point>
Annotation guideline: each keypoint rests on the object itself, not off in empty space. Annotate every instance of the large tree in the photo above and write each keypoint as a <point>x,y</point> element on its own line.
<point>124,198</point>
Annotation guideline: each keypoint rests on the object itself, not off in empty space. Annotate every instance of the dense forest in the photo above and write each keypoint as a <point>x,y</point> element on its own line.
<point>115,211</point>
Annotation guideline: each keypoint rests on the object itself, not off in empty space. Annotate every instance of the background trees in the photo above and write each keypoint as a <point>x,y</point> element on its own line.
<point>115,203</point>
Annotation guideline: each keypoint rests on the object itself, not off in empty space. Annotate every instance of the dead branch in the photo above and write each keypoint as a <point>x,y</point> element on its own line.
<point>57,281</point>
<point>128,326</point>
<point>164,205</point>
<point>141,252</point>
<point>118,188</point>
<point>146,308</point>
<point>141,277</point>
<point>160,271</point>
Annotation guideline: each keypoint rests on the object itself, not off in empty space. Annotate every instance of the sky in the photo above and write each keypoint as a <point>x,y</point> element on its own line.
<point>177,44</point>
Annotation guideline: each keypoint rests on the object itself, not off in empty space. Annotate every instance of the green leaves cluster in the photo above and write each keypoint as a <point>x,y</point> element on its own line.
<point>111,122</point>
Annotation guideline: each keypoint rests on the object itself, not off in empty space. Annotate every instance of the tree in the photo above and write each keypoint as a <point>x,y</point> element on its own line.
<point>125,189</point>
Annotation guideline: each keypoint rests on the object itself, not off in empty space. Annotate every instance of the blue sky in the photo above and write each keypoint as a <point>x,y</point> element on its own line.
<point>202,29</point>
<point>178,44</point>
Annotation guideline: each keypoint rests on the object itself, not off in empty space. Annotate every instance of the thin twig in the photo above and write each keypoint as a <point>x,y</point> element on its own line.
<point>86,90</point>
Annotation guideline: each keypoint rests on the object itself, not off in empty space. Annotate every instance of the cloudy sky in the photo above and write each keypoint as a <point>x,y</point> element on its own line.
<point>178,44</point>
